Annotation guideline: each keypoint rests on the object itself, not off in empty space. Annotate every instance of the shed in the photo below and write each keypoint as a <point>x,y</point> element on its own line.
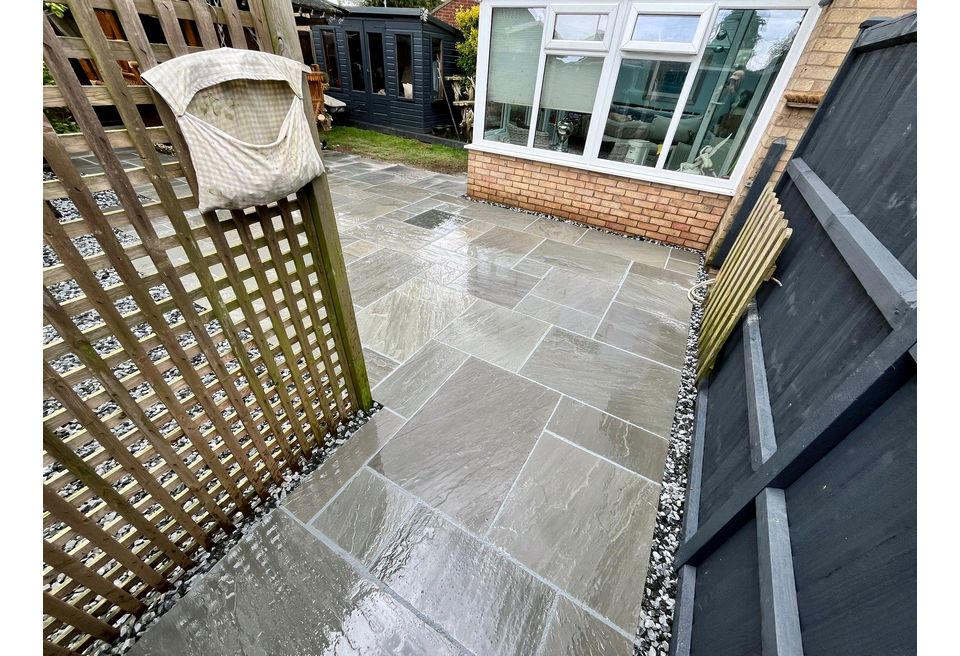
<point>387,64</point>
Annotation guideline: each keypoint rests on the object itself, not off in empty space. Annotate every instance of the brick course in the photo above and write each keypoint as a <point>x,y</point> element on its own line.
<point>447,12</point>
<point>683,217</point>
<point>658,211</point>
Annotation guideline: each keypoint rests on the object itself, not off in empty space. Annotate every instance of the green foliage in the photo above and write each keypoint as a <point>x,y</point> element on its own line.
<point>434,157</point>
<point>468,20</point>
<point>58,9</point>
<point>429,5</point>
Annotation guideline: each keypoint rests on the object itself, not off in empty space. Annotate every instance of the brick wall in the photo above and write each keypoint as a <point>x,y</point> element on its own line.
<point>838,26</point>
<point>683,217</point>
<point>448,10</point>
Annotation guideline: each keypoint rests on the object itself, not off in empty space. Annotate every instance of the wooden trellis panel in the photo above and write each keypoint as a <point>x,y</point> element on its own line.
<point>189,360</point>
<point>751,261</point>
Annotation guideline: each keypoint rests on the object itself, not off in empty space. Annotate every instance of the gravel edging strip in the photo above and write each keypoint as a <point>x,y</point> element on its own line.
<point>660,590</point>
<point>158,603</point>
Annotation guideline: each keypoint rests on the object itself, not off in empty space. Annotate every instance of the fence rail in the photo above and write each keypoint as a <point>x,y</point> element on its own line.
<point>190,360</point>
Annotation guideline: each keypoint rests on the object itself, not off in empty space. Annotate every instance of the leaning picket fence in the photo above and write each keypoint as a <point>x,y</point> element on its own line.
<point>190,361</point>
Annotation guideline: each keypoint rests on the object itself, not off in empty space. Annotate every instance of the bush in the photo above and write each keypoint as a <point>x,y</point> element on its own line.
<point>468,20</point>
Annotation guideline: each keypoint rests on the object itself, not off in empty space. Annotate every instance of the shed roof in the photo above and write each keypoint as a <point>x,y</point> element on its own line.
<point>400,12</point>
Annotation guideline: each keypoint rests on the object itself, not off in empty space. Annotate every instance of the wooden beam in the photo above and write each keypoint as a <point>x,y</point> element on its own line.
<point>763,441</point>
<point>892,288</point>
<point>779,612</point>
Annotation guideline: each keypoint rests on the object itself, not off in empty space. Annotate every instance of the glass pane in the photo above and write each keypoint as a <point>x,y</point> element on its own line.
<point>665,28</point>
<point>566,102</point>
<point>378,78</point>
<point>512,73</point>
<point>739,67</point>
<point>355,54</point>
<point>437,67</point>
<point>404,66</point>
<point>644,101</point>
<point>329,40</point>
<point>580,27</point>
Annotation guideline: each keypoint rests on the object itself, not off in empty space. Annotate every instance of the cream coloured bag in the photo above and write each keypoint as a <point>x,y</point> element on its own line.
<point>241,113</point>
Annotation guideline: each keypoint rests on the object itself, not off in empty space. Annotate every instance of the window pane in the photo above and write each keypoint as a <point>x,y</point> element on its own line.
<point>566,102</point>
<point>329,41</point>
<point>404,66</point>
<point>355,55</point>
<point>378,79</point>
<point>644,101</point>
<point>512,72</point>
<point>437,67</point>
<point>741,62</point>
<point>580,27</point>
<point>664,28</point>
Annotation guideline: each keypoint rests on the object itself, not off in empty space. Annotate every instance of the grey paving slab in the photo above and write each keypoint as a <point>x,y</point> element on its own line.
<point>495,283</point>
<point>358,248</point>
<point>391,233</point>
<point>501,246</point>
<point>458,239</point>
<point>559,315</point>
<point>377,177</point>
<point>657,291</point>
<point>324,482</point>
<point>681,255</point>
<point>401,322</point>
<point>462,451</point>
<point>365,516</point>
<point>480,598</point>
<point>574,632</point>
<point>500,216</point>
<point>566,233</point>
<point>378,366</point>
<point>383,271</point>
<point>631,447</point>
<point>640,391</point>
<point>444,266</point>
<point>609,268</point>
<point>538,269</point>
<point>644,252</point>
<point>369,207</point>
<point>282,591</point>
<point>653,336</point>
<point>577,291</point>
<point>417,379</point>
<point>404,191</point>
<point>437,220</point>
<point>495,334</point>
<point>684,262</point>
<point>584,524</point>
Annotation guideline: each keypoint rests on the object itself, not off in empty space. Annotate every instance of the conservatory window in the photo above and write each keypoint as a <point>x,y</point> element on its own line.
<point>515,40</point>
<point>569,88</point>
<point>741,62</point>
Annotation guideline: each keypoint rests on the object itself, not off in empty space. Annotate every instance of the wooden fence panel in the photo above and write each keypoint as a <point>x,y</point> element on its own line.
<point>189,360</point>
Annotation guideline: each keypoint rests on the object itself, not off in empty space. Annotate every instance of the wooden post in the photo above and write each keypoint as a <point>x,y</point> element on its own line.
<point>277,16</point>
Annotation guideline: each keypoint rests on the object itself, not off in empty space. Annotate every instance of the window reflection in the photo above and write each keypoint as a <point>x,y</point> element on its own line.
<point>664,28</point>
<point>580,27</point>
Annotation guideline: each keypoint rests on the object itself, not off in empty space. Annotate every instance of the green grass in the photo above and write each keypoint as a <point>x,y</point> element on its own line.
<point>390,148</point>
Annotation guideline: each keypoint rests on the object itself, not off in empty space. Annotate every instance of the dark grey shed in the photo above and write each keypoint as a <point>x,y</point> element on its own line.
<point>387,65</point>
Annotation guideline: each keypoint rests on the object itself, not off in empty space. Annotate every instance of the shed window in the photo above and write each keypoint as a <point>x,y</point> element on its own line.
<point>658,90</point>
<point>329,43</point>
<point>436,64</point>
<point>404,48</point>
<point>355,54</point>
<point>378,77</point>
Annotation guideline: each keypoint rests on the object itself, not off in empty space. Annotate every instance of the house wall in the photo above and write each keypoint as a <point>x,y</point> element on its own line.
<point>684,217</point>
<point>448,10</point>
<point>675,215</point>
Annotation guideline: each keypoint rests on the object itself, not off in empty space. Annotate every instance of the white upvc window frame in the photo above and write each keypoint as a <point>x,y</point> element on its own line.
<point>556,9</point>
<point>619,35</point>
<point>704,12</point>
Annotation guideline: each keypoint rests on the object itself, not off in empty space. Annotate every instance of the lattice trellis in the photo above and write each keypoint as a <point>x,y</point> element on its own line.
<point>190,360</point>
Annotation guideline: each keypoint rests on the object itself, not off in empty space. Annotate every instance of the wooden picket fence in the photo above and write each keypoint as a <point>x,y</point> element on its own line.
<point>190,361</point>
<point>751,261</point>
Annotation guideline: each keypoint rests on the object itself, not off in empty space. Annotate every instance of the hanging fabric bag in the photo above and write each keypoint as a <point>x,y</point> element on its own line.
<point>241,113</point>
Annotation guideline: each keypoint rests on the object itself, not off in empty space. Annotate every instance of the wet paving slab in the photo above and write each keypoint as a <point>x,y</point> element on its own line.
<point>503,501</point>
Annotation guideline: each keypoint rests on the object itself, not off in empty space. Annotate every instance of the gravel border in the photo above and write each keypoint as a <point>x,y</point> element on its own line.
<point>660,590</point>
<point>158,603</point>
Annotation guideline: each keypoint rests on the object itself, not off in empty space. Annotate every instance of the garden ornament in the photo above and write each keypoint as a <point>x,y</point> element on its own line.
<point>241,113</point>
<point>703,163</point>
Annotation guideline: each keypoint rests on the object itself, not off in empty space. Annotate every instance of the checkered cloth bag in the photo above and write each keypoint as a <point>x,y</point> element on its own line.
<point>241,113</point>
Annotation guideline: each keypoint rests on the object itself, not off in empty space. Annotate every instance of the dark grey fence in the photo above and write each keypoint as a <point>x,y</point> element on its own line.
<point>800,528</point>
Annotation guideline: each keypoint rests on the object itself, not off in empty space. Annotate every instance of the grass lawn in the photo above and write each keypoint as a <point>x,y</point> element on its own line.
<point>433,157</point>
